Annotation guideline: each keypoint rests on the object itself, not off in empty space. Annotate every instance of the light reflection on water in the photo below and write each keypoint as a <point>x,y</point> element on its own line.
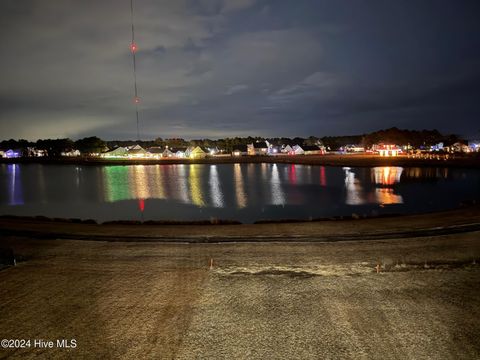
<point>323,177</point>
<point>194,180</point>
<point>238,191</point>
<point>144,182</point>
<point>16,193</point>
<point>355,193</point>
<point>215,190</point>
<point>387,196</point>
<point>387,175</point>
<point>240,195</point>
<point>278,197</point>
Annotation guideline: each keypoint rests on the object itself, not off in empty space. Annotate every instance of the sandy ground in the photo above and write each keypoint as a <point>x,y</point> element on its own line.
<point>124,300</point>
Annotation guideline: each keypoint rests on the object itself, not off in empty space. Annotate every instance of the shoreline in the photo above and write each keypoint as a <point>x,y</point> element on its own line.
<point>354,160</point>
<point>459,220</point>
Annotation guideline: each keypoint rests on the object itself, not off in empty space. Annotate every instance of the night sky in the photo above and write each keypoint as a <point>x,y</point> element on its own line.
<point>216,68</point>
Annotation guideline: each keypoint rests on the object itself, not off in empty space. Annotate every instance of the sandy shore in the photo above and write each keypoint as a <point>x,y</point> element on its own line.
<point>360,160</point>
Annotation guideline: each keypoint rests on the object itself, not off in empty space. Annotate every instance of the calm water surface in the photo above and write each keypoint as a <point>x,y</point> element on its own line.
<point>245,192</point>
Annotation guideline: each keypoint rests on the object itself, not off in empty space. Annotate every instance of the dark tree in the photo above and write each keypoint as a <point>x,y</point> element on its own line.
<point>176,143</point>
<point>55,147</point>
<point>90,145</point>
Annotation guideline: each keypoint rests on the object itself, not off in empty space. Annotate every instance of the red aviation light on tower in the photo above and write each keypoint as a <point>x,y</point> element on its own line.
<point>133,47</point>
<point>136,100</point>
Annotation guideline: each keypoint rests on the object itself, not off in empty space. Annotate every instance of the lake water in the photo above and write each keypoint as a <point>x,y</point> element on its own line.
<point>244,192</point>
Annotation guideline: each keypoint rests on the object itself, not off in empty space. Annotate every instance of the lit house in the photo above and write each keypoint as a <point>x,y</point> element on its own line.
<point>71,153</point>
<point>474,146</point>
<point>213,150</point>
<point>240,150</point>
<point>168,152</point>
<point>437,147</point>
<point>118,152</point>
<point>258,148</point>
<point>37,152</point>
<point>273,150</point>
<point>388,150</point>
<point>459,147</point>
<point>298,150</point>
<point>287,149</point>
<point>308,150</point>
<point>13,153</point>
<point>197,153</point>
<point>180,152</point>
<point>136,151</point>
<point>155,152</point>
<point>354,148</point>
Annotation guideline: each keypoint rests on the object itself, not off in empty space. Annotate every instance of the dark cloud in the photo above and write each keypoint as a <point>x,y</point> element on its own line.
<point>214,68</point>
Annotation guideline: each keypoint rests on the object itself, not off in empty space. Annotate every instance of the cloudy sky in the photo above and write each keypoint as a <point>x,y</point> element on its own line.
<point>215,68</point>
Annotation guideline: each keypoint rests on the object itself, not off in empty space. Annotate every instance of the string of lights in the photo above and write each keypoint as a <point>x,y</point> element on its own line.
<point>133,49</point>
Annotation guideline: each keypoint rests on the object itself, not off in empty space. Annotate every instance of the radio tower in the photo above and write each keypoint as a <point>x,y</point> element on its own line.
<point>133,49</point>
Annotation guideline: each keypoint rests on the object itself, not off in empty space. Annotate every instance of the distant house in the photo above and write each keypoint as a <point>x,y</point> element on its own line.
<point>298,150</point>
<point>437,147</point>
<point>213,150</point>
<point>273,150</point>
<point>197,153</point>
<point>474,145</point>
<point>71,153</point>
<point>188,151</point>
<point>258,148</point>
<point>118,152</point>
<point>388,150</point>
<point>168,152</point>
<point>287,149</point>
<point>136,151</point>
<point>313,150</point>
<point>307,150</point>
<point>459,147</point>
<point>354,148</point>
<point>12,153</point>
<point>180,152</point>
<point>37,152</point>
<point>155,152</point>
<point>240,150</point>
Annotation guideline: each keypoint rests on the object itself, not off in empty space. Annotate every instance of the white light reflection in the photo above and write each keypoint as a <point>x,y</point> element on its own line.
<point>16,196</point>
<point>354,189</point>
<point>215,190</point>
<point>157,187</point>
<point>239,187</point>
<point>181,180</point>
<point>278,197</point>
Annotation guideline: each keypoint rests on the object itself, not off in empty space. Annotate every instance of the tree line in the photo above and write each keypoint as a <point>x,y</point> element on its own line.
<point>55,147</point>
